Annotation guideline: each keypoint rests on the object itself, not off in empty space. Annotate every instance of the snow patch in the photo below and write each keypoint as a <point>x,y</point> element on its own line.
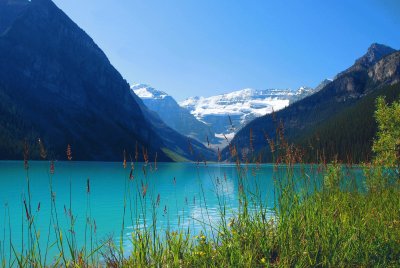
<point>239,103</point>
<point>147,92</point>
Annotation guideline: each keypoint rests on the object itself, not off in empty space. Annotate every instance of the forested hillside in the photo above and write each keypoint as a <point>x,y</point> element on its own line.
<point>320,118</point>
<point>348,135</point>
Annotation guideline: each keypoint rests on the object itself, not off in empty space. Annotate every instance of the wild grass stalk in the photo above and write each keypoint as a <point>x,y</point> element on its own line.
<point>322,216</point>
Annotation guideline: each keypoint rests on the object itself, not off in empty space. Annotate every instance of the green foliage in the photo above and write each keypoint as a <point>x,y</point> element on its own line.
<point>387,145</point>
<point>322,217</point>
<point>332,177</point>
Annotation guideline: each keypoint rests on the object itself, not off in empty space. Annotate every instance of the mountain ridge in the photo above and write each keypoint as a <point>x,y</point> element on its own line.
<point>68,92</point>
<point>344,91</point>
<point>229,112</point>
<point>174,115</point>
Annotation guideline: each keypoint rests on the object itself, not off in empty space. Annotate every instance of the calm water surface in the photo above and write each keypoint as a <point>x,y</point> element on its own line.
<point>181,195</point>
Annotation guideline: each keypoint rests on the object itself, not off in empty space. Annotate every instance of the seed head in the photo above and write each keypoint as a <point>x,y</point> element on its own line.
<point>69,153</point>
<point>52,167</point>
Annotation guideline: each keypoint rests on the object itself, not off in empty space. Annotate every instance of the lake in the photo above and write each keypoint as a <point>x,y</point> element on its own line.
<point>179,196</point>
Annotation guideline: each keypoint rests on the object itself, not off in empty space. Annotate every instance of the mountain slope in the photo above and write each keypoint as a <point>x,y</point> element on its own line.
<point>65,90</point>
<point>348,135</point>
<point>344,91</point>
<point>228,113</point>
<point>177,146</point>
<point>178,118</point>
<point>10,11</point>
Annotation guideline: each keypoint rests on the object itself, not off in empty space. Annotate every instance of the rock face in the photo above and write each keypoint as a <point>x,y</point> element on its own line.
<point>374,54</point>
<point>378,67</point>
<point>323,84</point>
<point>64,90</point>
<point>386,70</point>
<point>178,118</point>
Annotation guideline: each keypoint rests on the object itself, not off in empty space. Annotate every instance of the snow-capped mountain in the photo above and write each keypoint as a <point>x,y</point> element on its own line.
<point>214,119</point>
<point>227,113</point>
<point>146,92</point>
<point>176,117</point>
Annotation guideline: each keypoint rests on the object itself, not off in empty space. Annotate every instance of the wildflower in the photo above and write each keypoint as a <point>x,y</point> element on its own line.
<point>271,145</point>
<point>43,153</point>
<point>145,155</point>
<point>52,167</point>
<point>69,152</point>
<point>124,163</point>
<point>144,190</point>
<point>131,173</point>
<point>263,260</point>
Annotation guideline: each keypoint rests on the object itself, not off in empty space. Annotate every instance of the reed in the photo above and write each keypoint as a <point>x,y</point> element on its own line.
<point>322,216</point>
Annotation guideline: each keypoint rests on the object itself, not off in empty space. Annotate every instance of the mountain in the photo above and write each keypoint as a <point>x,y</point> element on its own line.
<point>178,118</point>
<point>228,113</point>
<point>377,69</point>
<point>10,10</point>
<point>349,134</point>
<point>323,84</point>
<point>374,54</point>
<point>57,84</point>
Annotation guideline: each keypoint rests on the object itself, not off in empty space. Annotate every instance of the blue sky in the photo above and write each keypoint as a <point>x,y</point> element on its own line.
<point>193,47</point>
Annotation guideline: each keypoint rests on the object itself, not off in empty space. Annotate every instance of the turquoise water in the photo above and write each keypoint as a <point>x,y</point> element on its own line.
<point>171,196</point>
<point>181,196</point>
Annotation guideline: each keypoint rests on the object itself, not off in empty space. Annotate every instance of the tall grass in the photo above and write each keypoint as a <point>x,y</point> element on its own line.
<point>323,216</point>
